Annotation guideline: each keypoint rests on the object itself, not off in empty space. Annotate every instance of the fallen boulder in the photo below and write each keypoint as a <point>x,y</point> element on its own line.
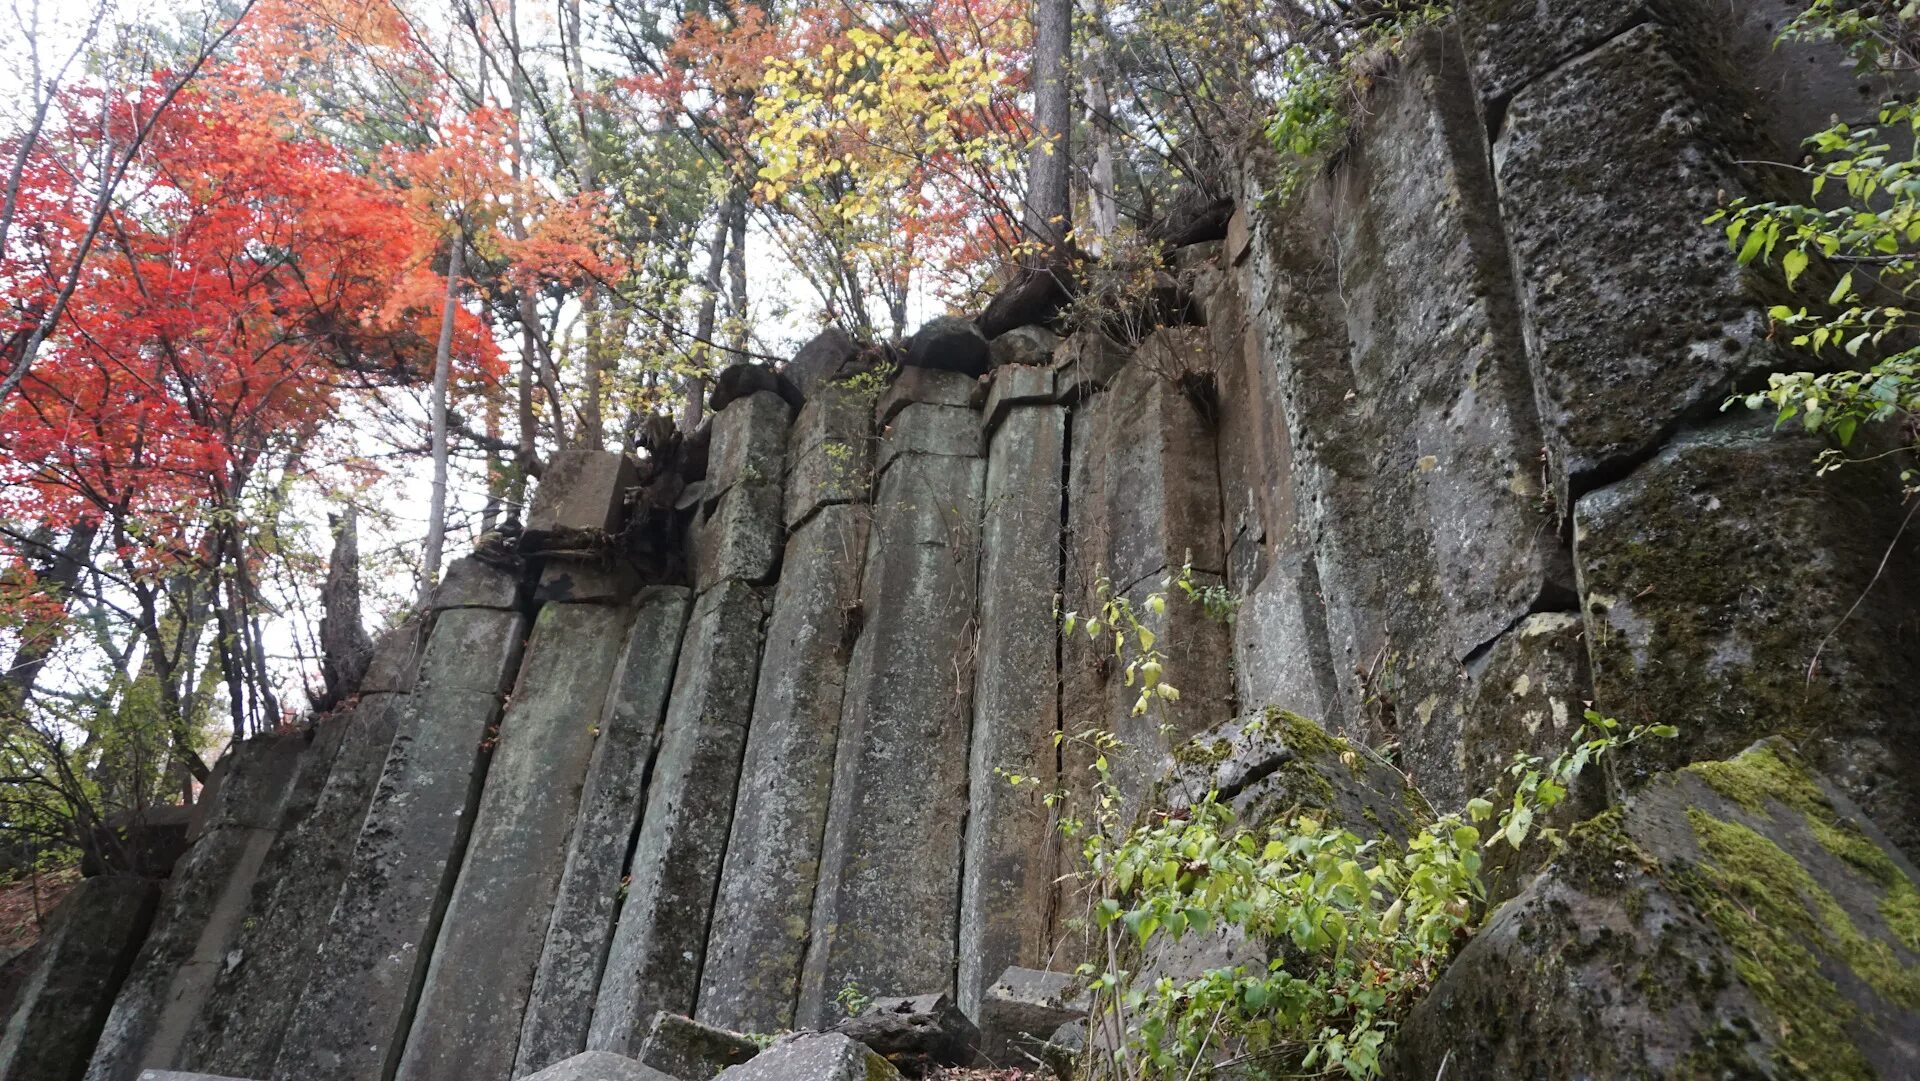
<point>600,1066</point>
<point>692,1051</point>
<point>817,1056</point>
<point>1734,919</point>
<point>918,1034</point>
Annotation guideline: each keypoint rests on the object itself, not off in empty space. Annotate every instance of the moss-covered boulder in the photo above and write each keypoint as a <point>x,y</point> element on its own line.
<point>1735,919</point>
<point>1273,764</point>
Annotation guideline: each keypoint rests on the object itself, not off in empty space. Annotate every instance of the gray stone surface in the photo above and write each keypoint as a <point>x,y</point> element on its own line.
<point>1011,838</point>
<point>581,495</point>
<point>949,344</point>
<point>1572,180</point>
<point>175,1075</point>
<point>739,538</point>
<point>1415,448</point>
<point>654,961</point>
<point>886,907</point>
<point>467,1021</point>
<point>601,1066</point>
<point>749,442</point>
<point>1086,362</point>
<point>759,933</point>
<point>923,428</point>
<point>610,580</point>
<point>830,453</point>
<point>919,1034</point>
<point>1022,1009</point>
<point>1024,345</point>
<point>1714,575</point>
<point>824,358</point>
<point>54,997</point>
<point>1271,762</point>
<point>560,1005</point>
<point>396,658</point>
<point>1280,651</point>
<point>260,976</point>
<point>352,1014</point>
<point>928,386</point>
<point>470,582</point>
<point>1016,385</point>
<point>205,899</point>
<point>821,1056</point>
<point>1737,919</point>
<point>693,1051</point>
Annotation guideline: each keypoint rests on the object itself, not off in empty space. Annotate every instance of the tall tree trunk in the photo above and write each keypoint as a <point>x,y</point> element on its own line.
<point>1103,203</point>
<point>345,648</point>
<point>58,574</point>
<point>737,273</point>
<point>695,405</point>
<point>442,368</point>
<point>1048,172</point>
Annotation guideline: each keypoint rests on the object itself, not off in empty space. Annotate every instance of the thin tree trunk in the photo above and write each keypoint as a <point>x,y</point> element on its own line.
<point>1103,202</point>
<point>1048,174</point>
<point>695,406</point>
<point>442,367</point>
<point>737,273</point>
<point>58,574</point>
<point>345,648</point>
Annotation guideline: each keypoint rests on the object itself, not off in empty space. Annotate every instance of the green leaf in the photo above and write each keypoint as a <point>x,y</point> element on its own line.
<point>1795,264</point>
<point>1843,289</point>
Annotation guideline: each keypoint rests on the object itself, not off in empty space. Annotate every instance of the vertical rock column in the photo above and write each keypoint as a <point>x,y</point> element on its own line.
<point>365,978</point>
<point>200,910</point>
<point>55,996</point>
<point>560,1006</point>
<point>467,1025</point>
<point>659,941</point>
<point>759,936</point>
<point>1144,499</point>
<point>239,1029</point>
<point>1011,843</point>
<point>886,908</point>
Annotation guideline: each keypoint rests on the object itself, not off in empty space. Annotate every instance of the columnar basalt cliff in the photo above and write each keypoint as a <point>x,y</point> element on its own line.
<point>729,732</point>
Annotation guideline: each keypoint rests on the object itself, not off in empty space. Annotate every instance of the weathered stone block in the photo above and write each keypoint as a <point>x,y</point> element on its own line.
<point>1011,840</point>
<point>740,538</point>
<point>1086,363</point>
<point>198,914</point>
<point>601,1066</point>
<point>175,1075</point>
<point>759,932</point>
<point>654,961</point>
<point>886,906</point>
<point>1014,385</point>
<point>1280,650</point>
<point>467,1021</point>
<point>922,429</point>
<point>749,442</point>
<point>1572,180</point>
<point>919,1034</point>
<point>1268,763</point>
<point>691,1051</point>
<point>1735,919</point>
<point>613,580</point>
<point>1031,345</point>
<point>54,997</point>
<point>927,386</point>
<point>738,381</point>
<point>1022,1009</point>
<point>582,494</point>
<point>470,582</point>
<point>396,659</point>
<point>260,977</point>
<point>352,1015</point>
<point>829,474</point>
<point>949,344</point>
<point>822,1056</point>
<point>826,357</point>
<point>560,1005</point>
<point>1715,575</point>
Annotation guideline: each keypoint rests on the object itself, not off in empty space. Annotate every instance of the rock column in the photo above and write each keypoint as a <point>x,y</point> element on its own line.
<point>886,908</point>
<point>365,977</point>
<point>759,936</point>
<point>560,1006</point>
<point>659,941</point>
<point>1011,842</point>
